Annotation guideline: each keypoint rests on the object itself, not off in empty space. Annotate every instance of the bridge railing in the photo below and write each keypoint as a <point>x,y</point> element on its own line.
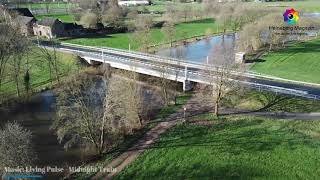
<point>184,63</point>
<point>280,90</point>
<point>147,56</point>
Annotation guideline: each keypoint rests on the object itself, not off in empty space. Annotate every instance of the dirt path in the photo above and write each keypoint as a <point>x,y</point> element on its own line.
<point>192,108</point>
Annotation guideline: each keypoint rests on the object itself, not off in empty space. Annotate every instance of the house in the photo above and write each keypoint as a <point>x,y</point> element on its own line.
<point>72,29</point>
<point>24,19</point>
<point>22,12</point>
<point>49,28</point>
<point>26,24</point>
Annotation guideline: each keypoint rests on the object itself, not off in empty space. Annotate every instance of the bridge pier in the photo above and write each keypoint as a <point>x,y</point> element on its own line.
<point>106,69</point>
<point>187,85</point>
<point>92,62</point>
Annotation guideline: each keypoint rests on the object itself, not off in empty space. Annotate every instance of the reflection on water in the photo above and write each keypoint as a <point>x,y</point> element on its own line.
<point>312,15</point>
<point>37,115</point>
<point>198,51</point>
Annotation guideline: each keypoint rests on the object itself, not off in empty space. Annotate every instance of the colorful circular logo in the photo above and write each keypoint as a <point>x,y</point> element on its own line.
<point>291,16</point>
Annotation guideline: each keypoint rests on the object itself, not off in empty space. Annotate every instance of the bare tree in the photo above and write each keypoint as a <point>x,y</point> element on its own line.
<point>221,77</point>
<point>112,16</point>
<point>93,112</point>
<point>80,111</point>
<point>12,46</point>
<point>185,12</point>
<point>87,4</point>
<point>164,83</point>
<point>16,147</point>
<point>89,20</point>
<point>18,62</point>
<point>50,57</point>
<point>172,13</point>
<point>142,34</point>
<point>225,17</point>
<point>126,96</point>
<point>133,13</point>
<point>169,31</point>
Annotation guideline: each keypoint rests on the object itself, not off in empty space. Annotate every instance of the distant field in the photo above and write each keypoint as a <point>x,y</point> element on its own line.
<point>62,17</point>
<point>52,5</point>
<point>300,61</point>
<point>235,147</point>
<point>162,5</point>
<point>301,6</point>
<point>122,40</point>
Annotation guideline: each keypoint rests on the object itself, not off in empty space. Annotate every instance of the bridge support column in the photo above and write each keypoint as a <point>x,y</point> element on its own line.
<point>187,85</point>
<point>88,61</point>
<point>107,70</point>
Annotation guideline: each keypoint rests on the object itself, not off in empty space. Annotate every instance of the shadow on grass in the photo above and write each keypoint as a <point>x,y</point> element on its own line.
<point>88,36</point>
<point>271,102</point>
<point>200,21</point>
<point>255,61</point>
<point>200,171</point>
<point>301,47</point>
<point>235,137</point>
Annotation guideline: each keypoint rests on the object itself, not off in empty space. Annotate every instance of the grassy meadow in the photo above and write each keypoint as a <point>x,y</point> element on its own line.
<point>122,40</point>
<point>234,147</point>
<point>301,6</point>
<point>69,18</point>
<point>300,61</point>
<point>51,5</point>
<point>39,71</point>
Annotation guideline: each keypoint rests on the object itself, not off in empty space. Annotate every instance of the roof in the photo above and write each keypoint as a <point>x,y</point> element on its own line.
<point>24,19</point>
<point>23,12</point>
<point>71,26</point>
<point>47,21</point>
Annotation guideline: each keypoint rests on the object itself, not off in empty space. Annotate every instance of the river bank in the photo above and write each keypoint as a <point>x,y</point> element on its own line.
<point>38,113</point>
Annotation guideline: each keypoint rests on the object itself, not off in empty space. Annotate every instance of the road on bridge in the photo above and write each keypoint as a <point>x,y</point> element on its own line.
<point>195,71</point>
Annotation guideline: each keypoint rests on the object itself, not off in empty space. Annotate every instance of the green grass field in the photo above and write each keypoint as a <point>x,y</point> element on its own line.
<point>299,61</point>
<point>236,147</point>
<point>63,17</point>
<point>301,6</point>
<point>51,5</point>
<point>162,5</point>
<point>122,40</point>
<point>39,71</point>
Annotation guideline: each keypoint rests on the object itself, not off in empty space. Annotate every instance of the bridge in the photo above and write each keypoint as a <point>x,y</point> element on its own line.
<point>185,71</point>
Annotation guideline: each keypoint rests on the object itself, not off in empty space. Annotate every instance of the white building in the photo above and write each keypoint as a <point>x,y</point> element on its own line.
<point>133,3</point>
